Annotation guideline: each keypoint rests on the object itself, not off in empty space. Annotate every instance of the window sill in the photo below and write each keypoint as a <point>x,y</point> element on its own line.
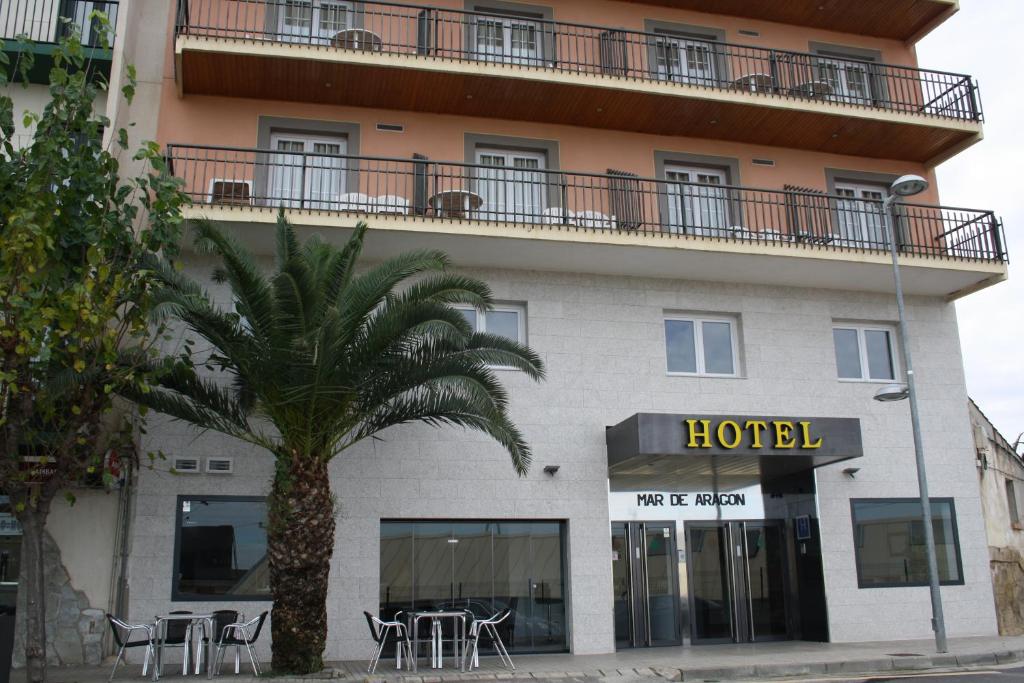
<point>698,375</point>
<point>847,380</point>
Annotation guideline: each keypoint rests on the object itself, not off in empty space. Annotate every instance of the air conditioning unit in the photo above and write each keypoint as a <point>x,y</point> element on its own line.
<point>185,465</point>
<point>220,465</point>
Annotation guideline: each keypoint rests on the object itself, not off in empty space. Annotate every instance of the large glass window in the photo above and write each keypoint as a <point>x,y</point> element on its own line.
<point>482,566</point>
<point>889,541</point>
<point>221,548</point>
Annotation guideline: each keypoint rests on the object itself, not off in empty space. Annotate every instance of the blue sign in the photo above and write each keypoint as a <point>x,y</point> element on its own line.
<point>803,527</point>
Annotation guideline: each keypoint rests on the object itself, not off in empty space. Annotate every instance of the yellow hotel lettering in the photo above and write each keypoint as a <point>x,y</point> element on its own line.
<point>732,434</point>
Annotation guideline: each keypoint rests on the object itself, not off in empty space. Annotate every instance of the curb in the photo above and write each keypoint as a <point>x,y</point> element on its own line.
<point>860,666</point>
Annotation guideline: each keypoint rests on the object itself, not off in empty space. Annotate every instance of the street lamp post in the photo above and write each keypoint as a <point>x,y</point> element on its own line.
<point>904,187</point>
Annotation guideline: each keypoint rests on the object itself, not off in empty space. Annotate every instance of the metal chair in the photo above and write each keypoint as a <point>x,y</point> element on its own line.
<point>177,633</point>
<point>379,631</point>
<point>238,635</point>
<point>118,626</point>
<point>221,619</point>
<point>488,626</point>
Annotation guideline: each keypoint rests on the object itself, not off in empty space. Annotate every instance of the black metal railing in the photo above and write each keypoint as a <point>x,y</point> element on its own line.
<point>47,21</point>
<point>563,200</point>
<point>405,29</point>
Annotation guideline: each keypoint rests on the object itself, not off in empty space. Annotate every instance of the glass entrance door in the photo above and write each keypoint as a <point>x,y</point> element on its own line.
<point>645,581</point>
<point>737,581</point>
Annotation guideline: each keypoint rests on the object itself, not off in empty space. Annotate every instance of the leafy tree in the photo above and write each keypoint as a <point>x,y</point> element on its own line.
<point>317,357</point>
<point>74,300</point>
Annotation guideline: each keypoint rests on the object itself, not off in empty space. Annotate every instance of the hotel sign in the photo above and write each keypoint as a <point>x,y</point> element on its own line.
<point>821,439</point>
<point>731,434</point>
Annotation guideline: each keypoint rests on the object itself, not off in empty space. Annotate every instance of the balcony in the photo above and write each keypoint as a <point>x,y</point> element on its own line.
<point>906,20</point>
<point>418,58</point>
<point>585,222</point>
<point>38,25</point>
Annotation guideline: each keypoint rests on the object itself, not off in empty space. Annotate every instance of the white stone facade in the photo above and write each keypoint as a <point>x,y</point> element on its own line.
<point>602,340</point>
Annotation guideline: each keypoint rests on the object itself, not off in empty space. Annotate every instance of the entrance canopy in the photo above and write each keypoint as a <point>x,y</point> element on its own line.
<point>663,451</point>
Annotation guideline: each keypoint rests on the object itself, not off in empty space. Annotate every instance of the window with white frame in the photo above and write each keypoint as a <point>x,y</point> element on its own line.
<point>865,353</point>
<point>504,320</point>
<point>701,345</point>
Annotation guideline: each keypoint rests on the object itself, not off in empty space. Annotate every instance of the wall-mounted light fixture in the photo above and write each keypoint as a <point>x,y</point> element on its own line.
<point>551,470</point>
<point>851,472</point>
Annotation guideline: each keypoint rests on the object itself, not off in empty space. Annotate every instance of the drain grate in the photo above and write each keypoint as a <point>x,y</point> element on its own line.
<point>904,654</point>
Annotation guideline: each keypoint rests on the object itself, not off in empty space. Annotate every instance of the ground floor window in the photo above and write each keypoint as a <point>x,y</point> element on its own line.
<point>221,548</point>
<point>482,566</point>
<point>890,547</point>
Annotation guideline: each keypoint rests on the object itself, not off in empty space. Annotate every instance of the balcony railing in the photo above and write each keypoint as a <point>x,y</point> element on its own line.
<point>393,28</point>
<point>562,200</point>
<point>47,21</point>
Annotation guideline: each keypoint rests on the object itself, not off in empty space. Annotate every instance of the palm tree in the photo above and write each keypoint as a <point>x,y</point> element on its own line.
<point>320,356</point>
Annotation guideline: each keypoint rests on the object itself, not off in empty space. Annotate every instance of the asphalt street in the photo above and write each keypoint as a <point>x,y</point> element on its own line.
<point>1011,674</point>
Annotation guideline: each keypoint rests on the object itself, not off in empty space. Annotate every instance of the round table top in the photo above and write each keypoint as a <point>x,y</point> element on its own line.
<point>358,37</point>
<point>456,199</point>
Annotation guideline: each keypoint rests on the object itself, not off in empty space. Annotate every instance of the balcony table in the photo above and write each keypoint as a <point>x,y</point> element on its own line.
<point>815,89</point>
<point>754,83</point>
<point>414,619</point>
<point>161,628</point>
<point>455,203</point>
<point>359,39</point>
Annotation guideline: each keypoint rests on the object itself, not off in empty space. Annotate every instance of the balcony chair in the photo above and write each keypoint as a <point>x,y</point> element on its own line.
<point>221,619</point>
<point>121,628</point>
<point>556,215</point>
<point>356,201</point>
<point>595,219</point>
<point>239,634</point>
<point>391,204</point>
<point>490,627</point>
<point>379,631</point>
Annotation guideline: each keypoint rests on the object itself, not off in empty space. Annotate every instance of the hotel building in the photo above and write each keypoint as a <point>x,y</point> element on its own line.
<point>678,205</point>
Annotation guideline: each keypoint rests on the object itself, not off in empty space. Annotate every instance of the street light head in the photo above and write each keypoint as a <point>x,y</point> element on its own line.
<point>892,392</point>
<point>908,185</point>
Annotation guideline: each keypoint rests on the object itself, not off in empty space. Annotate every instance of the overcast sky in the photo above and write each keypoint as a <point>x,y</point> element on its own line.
<point>986,39</point>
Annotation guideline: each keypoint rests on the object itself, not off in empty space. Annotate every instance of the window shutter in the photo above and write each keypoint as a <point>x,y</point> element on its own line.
<point>425,23</point>
<point>614,57</point>
<point>625,199</point>
<point>808,214</point>
<point>419,184</point>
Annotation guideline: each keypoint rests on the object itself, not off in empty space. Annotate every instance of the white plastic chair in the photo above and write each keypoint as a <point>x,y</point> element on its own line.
<point>594,219</point>
<point>356,201</point>
<point>556,215</point>
<point>391,204</point>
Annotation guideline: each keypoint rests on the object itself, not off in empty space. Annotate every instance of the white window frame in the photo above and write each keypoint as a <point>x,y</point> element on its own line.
<point>481,322</point>
<point>861,328</point>
<point>698,342</point>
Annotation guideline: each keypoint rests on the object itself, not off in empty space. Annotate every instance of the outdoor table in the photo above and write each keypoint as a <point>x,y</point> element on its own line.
<point>359,39</point>
<point>161,628</point>
<point>435,615</point>
<point>815,89</point>
<point>456,203</point>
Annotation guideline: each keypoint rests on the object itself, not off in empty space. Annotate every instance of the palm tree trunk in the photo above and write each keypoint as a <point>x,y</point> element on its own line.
<point>300,541</point>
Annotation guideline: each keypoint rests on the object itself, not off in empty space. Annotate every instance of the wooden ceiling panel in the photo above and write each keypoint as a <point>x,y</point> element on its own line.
<point>274,78</point>
<point>904,20</point>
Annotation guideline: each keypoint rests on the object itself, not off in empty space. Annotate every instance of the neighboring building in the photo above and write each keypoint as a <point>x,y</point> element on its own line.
<point>85,543</point>
<point>679,210</point>
<point>1001,478</point>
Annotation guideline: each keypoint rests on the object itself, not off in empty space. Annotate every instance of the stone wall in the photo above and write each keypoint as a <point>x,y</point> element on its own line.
<point>74,629</point>
<point>1008,585</point>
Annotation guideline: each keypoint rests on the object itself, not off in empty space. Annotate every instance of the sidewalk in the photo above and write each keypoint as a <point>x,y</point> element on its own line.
<point>703,662</point>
